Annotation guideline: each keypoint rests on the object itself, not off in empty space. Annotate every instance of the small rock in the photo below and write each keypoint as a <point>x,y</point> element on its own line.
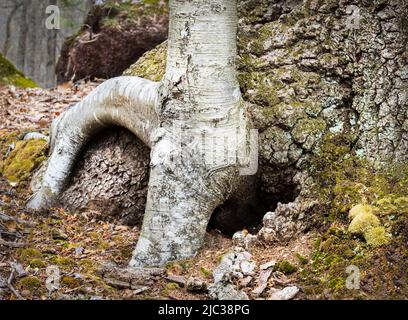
<point>25,293</point>
<point>245,281</point>
<point>262,282</point>
<point>177,279</point>
<point>244,240</point>
<point>226,291</point>
<point>196,285</point>
<point>79,250</point>
<point>284,294</point>
<point>18,269</point>
<point>267,265</point>
<point>3,282</point>
<point>34,135</point>
<point>59,235</point>
<point>247,267</point>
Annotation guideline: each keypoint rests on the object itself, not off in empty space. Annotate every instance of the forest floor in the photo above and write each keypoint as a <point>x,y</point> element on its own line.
<point>78,243</point>
<point>65,250</point>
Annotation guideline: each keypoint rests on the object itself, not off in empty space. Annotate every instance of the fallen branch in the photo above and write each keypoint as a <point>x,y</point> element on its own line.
<point>4,217</point>
<point>128,277</point>
<point>10,286</point>
<point>12,244</point>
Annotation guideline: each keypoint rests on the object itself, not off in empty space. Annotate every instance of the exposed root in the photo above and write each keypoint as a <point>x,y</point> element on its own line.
<point>128,102</point>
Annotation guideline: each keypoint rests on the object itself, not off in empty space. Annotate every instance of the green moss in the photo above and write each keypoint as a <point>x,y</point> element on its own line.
<point>9,75</point>
<point>285,267</point>
<point>88,266</point>
<point>28,254</point>
<point>360,209</point>
<point>70,282</point>
<point>30,283</point>
<point>302,260</point>
<point>306,127</point>
<point>363,222</point>
<point>377,236</point>
<point>63,262</point>
<point>25,157</point>
<point>172,286</point>
<point>37,263</point>
<point>205,272</point>
<point>151,65</point>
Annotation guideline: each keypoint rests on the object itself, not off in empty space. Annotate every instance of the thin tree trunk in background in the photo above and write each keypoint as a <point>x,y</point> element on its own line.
<point>22,39</point>
<point>13,12</point>
<point>51,53</point>
<point>32,39</point>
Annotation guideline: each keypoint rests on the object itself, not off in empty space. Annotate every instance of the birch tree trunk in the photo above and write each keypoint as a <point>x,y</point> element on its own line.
<point>193,120</point>
<point>200,104</point>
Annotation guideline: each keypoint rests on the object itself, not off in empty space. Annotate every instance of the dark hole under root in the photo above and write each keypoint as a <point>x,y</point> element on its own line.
<point>110,180</point>
<point>247,212</point>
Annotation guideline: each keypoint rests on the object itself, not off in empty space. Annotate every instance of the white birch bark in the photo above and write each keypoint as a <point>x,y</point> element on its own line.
<point>194,122</point>
<point>125,101</point>
<point>194,167</point>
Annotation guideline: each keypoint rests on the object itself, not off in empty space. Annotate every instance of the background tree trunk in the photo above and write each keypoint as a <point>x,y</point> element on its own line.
<point>29,44</point>
<point>22,38</point>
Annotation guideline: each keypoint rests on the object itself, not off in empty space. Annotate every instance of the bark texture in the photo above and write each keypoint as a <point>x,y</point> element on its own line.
<point>120,157</point>
<point>311,71</point>
<point>193,120</point>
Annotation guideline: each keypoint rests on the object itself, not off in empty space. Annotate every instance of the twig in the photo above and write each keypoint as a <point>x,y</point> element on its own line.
<point>10,286</point>
<point>4,217</point>
<point>12,244</point>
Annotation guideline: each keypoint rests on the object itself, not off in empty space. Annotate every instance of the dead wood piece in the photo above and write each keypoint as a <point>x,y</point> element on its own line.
<point>129,277</point>
<point>177,279</point>
<point>10,286</point>
<point>12,244</point>
<point>4,217</point>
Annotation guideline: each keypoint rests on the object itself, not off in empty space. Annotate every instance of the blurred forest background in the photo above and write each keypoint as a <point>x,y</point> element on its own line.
<point>28,44</point>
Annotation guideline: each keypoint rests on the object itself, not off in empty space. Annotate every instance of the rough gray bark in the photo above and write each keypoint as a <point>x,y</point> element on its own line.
<point>123,160</point>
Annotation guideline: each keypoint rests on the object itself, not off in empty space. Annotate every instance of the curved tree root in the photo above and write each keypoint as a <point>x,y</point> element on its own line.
<point>128,102</point>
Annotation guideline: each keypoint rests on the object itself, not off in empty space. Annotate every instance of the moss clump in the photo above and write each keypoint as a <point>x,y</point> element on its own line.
<point>25,157</point>
<point>377,236</point>
<point>28,254</point>
<point>360,209</point>
<point>63,262</point>
<point>9,75</point>
<point>37,263</point>
<point>205,272</point>
<point>70,282</point>
<point>302,260</point>
<point>151,65</point>
<point>172,286</point>
<point>285,267</point>
<point>363,222</point>
<point>30,283</point>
